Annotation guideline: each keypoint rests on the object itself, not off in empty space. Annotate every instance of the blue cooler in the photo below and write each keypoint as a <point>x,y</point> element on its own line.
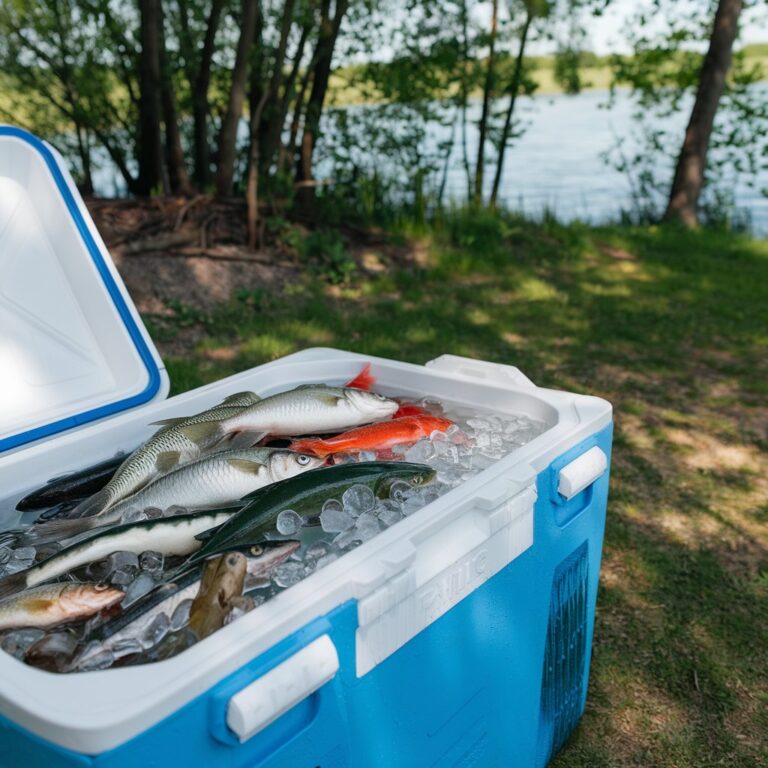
<point>460,636</point>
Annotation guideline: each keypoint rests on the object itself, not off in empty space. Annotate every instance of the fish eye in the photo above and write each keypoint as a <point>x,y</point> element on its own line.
<point>417,480</point>
<point>257,550</point>
<point>302,460</point>
<point>378,396</point>
<point>101,587</point>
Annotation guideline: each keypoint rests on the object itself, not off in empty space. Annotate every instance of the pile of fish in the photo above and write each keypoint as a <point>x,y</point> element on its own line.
<point>139,557</point>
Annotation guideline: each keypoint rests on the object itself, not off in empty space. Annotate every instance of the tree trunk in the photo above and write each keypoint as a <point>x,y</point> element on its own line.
<point>513,90</point>
<point>277,120</point>
<point>326,42</point>
<point>228,133</point>
<point>292,149</point>
<point>490,76</point>
<point>464,95</point>
<point>199,78</point>
<point>689,173</point>
<point>174,154</point>
<point>257,110</point>
<point>150,146</point>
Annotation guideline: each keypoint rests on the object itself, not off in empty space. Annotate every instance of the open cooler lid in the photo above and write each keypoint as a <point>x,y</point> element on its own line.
<point>72,345</point>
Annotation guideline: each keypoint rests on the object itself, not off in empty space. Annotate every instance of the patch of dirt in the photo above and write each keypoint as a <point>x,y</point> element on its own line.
<point>194,251</point>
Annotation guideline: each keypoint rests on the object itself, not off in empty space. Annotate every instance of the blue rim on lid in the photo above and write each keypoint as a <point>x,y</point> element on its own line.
<point>116,295</point>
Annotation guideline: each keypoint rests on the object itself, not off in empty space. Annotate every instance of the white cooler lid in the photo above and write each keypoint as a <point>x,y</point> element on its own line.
<point>73,347</point>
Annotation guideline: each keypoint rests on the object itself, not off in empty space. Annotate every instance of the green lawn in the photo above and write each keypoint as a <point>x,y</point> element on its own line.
<point>672,328</point>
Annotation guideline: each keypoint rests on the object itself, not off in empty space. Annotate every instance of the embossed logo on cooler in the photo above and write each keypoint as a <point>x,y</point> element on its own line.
<point>437,597</point>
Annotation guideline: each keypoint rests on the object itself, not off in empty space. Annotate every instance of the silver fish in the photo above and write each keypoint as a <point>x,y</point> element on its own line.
<point>170,536</point>
<point>216,480</point>
<point>310,409</point>
<point>165,450</point>
<point>53,604</point>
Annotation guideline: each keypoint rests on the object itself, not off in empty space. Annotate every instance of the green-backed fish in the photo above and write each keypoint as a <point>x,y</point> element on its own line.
<point>307,410</point>
<point>216,480</point>
<point>305,494</point>
<point>51,604</point>
<point>170,536</point>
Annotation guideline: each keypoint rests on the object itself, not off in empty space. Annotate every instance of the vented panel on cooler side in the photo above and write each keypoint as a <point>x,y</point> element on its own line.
<point>562,688</point>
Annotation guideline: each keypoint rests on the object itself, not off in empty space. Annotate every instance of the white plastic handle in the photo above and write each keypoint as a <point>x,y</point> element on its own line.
<point>263,701</point>
<point>582,472</point>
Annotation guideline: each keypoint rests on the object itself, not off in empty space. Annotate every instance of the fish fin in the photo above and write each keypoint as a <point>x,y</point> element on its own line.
<point>364,380</point>
<point>314,446</point>
<point>10,585</point>
<point>238,395</point>
<point>57,530</point>
<point>167,460</point>
<point>239,440</point>
<point>330,399</point>
<point>93,505</point>
<point>245,465</point>
<point>168,422</point>
<point>204,432</point>
<point>408,409</point>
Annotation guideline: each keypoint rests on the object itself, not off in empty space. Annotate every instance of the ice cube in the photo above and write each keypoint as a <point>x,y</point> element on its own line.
<point>411,505</point>
<point>420,452</point>
<point>344,540</point>
<point>122,560</point>
<point>289,522</point>
<point>126,647</point>
<point>332,504</point>
<point>437,436</point>
<point>180,615</point>
<point>155,632</point>
<point>142,584</point>
<point>358,499</point>
<point>366,456</point>
<point>334,520</point>
<point>53,651</point>
<point>388,513</point>
<point>24,554</point>
<point>316,551</point>
<point>101,660</point>
<point>123,577</point>
<point>367,526</point>
<point>151,562</point>
<point>326,559</point>
<point>133,516</point>
<point>479,425</point>
<point>18,641</point>
<point>400,491</point>
<point>288,574</point>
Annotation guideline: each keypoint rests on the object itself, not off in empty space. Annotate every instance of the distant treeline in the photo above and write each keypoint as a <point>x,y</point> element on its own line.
<point>232,96</point>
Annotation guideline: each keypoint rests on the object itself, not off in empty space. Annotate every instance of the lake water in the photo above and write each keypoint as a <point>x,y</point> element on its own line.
<point>555,166</point>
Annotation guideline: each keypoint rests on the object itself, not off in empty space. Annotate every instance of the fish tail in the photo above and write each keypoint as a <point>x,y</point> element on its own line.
<point>314,446</point>
<point>12,584</point>
<point>57,530</point>
<point>364,380</point>
<point>93,505</point>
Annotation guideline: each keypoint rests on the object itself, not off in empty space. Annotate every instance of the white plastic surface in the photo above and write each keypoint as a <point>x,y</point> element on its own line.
<point>582,472</point>
<point>263,701</point>
<point>115,705</point>
<point>449,563</point>
<point>64,349</point>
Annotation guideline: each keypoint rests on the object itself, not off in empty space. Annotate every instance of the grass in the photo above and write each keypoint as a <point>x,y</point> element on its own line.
<point>672,328</point>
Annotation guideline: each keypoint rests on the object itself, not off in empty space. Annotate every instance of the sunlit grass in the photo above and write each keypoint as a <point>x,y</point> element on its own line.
<point>670,326</point>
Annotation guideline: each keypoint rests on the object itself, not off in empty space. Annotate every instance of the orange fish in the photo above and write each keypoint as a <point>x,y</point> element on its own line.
<point>375,437</point>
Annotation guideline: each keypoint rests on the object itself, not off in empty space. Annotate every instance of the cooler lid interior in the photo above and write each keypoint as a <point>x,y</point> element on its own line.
<point>72,346</point>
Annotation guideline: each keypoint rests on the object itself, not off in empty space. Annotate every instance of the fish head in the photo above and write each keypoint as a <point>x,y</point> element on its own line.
<point>285,463</point>
<point>370,405</point>
<point>77,599</point>
<point>416,475</point>
<point>263,557</point>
